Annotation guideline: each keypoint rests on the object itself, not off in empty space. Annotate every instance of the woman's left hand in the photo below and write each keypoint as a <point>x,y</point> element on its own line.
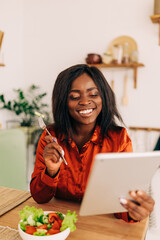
<point>141,210</point>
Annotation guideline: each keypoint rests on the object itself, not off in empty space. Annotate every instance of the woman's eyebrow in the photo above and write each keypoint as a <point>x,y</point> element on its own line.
<point>89,89</point>
<point>74,90</point>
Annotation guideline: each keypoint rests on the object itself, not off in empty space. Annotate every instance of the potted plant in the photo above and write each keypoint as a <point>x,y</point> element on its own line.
<point>24,105</point>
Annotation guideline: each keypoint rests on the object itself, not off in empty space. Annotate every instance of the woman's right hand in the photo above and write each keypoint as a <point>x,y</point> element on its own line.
<point>51,156</point>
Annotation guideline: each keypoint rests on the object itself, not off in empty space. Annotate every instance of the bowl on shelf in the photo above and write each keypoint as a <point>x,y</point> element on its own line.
<point>93,58</point>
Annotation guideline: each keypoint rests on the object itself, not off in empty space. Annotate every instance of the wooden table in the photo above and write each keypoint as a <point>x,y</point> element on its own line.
<point>99,227</point>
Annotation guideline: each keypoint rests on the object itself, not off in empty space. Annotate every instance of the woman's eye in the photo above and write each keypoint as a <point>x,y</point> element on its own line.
<point>94,95</point>
<point>74,97</point>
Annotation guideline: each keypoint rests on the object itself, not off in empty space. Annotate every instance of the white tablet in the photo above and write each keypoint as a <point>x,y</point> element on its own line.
<point>113,175</point>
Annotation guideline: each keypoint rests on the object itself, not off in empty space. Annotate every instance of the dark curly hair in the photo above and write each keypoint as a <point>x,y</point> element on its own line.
<point>106,119</point>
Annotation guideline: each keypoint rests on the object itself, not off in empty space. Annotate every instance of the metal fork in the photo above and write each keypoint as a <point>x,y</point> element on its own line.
<point>43,126</point>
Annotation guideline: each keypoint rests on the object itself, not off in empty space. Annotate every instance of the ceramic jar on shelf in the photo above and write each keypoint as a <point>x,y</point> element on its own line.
<point>107,58</point>
<point>117,52</point>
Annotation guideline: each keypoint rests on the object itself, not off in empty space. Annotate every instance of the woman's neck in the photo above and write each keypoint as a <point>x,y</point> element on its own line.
<point>82,134</point>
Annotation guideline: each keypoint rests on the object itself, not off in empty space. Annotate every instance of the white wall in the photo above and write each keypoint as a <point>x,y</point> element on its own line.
<point>43,37</point>
<point>12,50</point>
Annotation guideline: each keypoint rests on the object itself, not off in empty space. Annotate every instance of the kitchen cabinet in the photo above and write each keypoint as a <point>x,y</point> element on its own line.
<point>13,149</point>
<point>134,66</point>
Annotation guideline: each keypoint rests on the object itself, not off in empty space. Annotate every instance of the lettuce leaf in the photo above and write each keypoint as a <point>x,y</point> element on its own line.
<point>23,226</point>
<point>28,211</point>
<point>68,221</point>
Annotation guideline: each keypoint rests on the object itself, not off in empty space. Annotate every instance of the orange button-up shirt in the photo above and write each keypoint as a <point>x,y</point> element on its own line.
<point>70,182</point>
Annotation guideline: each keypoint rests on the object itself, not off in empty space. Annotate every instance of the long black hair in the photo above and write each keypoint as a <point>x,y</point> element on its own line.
<point>106,119</point>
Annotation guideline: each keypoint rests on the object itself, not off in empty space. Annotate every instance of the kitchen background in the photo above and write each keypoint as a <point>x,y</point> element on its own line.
<point>43,37</point>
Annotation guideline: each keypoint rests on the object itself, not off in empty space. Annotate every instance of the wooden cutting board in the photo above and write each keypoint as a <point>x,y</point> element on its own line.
<point>10,198</point>
<point>132,45</point>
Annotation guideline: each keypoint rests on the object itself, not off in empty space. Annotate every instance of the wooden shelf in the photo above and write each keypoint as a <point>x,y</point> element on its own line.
<point>2,65</point>
<point>156,19</point>
<point>145,129</point>
<point>122,65</point>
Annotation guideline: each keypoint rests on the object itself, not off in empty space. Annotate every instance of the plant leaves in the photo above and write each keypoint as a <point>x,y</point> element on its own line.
<point>2,98</point>
<point>33,87</point>
<point>21,95</point>
<point>26,103</point>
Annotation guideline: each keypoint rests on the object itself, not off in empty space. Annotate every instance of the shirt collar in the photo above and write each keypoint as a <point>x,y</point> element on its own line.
<point>96,137</point>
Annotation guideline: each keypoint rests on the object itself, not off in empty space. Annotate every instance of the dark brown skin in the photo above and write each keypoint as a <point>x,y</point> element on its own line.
<point>84,96</point>
<point>51,156</point>
<point>139,212</point>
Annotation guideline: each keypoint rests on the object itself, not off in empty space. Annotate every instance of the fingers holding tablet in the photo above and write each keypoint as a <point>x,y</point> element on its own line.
<point>140,206</point>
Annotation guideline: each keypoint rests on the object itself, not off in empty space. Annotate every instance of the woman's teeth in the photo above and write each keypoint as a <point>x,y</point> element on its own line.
<point>86,111</point>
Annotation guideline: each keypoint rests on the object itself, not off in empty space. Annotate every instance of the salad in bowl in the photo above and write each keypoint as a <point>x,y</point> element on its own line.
<point>36,224</point>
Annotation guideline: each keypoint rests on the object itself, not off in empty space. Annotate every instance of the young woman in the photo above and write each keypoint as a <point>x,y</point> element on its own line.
<point>85,115</point>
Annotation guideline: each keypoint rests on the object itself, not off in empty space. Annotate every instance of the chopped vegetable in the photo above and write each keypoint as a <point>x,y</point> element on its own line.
<point>28,211</point>
<point>31,221</point>
<point>53,217</point>
<point>34,222</point>
<point>69,221</point>
<point>43,226</point>
<point>44,219</point>
<point>40,232</point>
<point>56,225</point>
<point>53,231</point>
<point>30,229</point>
<point>49,226</point>
<point>23,226</point>
<point>39,224</point>
<point>60,215</point>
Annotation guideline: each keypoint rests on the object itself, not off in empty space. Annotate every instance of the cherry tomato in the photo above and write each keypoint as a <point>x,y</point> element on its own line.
<point>30,229</point>
<point>53,217</point>
<point>53,231</point>
<point>44,226</point>
<point>56,225</point>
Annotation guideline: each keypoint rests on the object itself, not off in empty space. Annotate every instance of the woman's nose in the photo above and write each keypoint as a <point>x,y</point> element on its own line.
<point>84,101</point>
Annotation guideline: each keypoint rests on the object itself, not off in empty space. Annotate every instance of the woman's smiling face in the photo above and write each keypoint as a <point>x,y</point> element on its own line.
<point>84,100</point>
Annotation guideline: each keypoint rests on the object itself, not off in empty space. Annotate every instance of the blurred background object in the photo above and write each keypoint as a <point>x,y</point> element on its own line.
<point>93,58</point>
<point>122,48</point>
<point>1,38</point>
<point>13,149</point>
<point>156,7</point>
<point>107,57</point>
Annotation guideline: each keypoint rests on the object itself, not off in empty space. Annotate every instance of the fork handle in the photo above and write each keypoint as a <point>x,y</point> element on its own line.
<point>48,132</point>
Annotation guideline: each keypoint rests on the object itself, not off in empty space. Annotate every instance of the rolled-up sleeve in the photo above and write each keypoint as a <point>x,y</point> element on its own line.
<point>42,186</point>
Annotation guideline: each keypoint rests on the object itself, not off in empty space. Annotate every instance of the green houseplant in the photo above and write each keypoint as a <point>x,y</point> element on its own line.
<point>24,105</point>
